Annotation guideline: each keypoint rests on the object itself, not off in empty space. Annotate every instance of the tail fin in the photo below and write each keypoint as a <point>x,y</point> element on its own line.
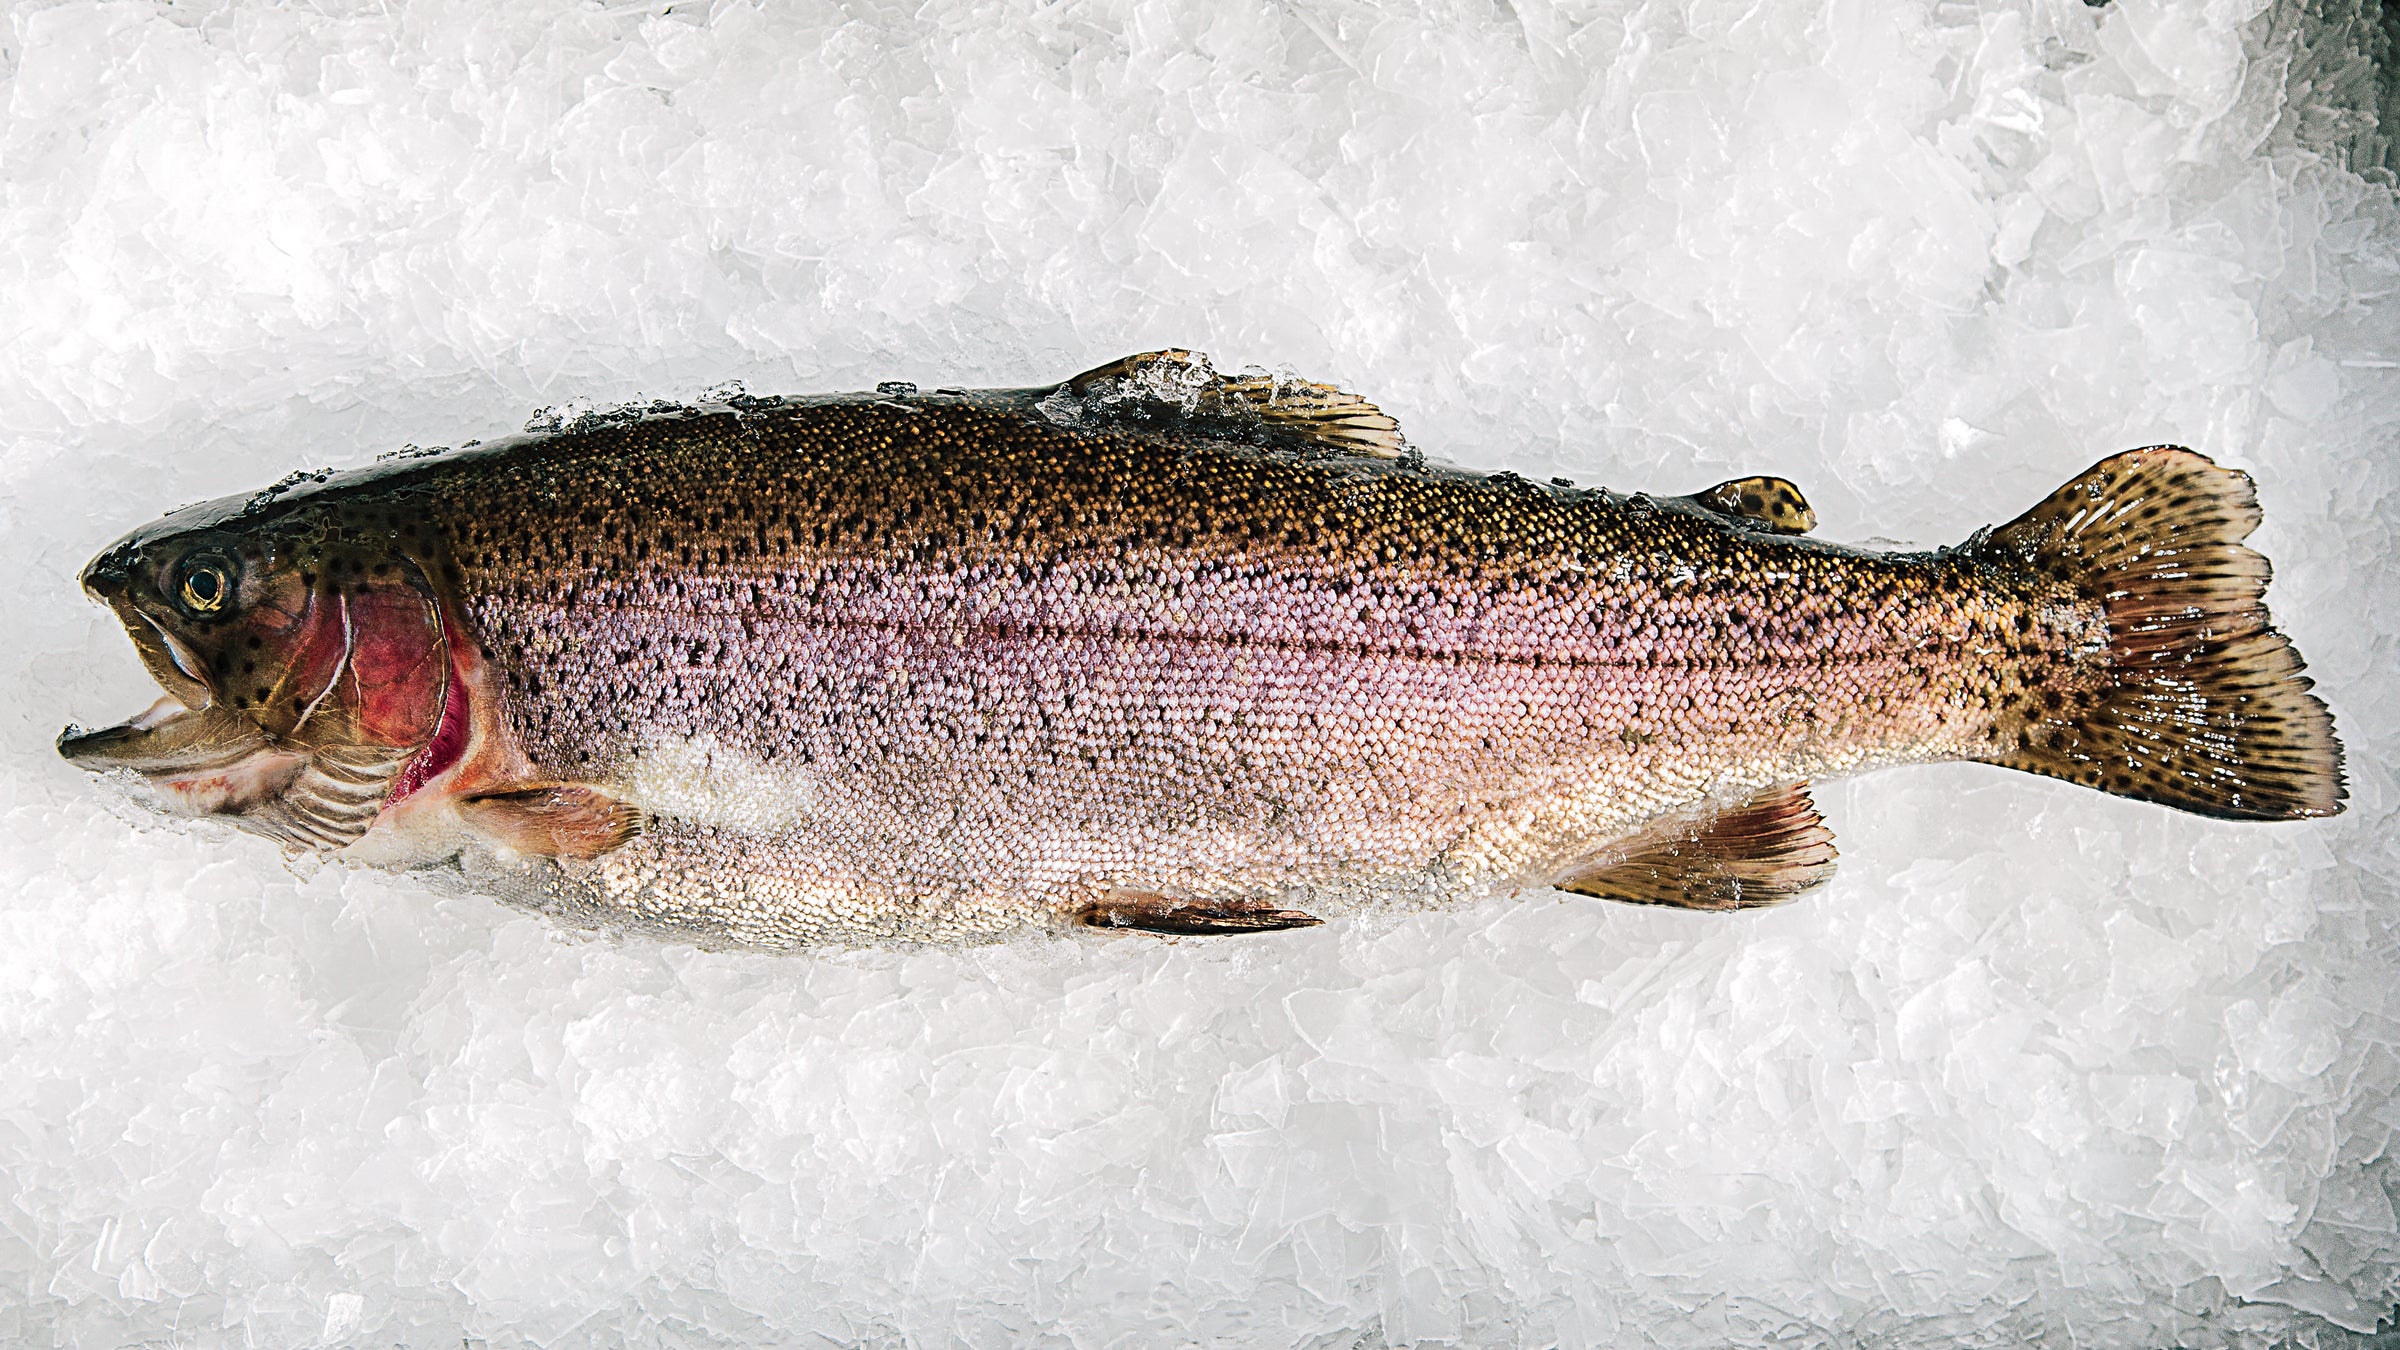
<point>2205,707</point>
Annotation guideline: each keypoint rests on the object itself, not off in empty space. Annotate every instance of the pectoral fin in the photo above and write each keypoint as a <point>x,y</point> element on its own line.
<point>555,820</point>
<point>1770,504</point>
<point>1762,852</point>
<point>1190,918</point>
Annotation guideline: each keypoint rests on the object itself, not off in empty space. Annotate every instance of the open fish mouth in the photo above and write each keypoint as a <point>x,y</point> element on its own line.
<point>172,742</point>
<point>203,758</point>
<point>213,762</point>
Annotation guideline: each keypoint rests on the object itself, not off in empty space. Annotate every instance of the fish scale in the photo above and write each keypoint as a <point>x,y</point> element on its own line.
<point>1210,672</point>
<point>1172,650</point>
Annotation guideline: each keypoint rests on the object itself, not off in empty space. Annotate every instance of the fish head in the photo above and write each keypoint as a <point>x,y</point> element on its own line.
<point>301,650</point>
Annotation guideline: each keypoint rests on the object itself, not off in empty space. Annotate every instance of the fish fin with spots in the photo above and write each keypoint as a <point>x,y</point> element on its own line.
<point>554,820</point>
<point>1146,913</point>
<point>2205,708</point>
<point>1180,390</point>
<point>1763,851</point>
<point>1770,504</point>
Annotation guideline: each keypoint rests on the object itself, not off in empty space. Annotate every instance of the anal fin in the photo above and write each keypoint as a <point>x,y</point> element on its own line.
<point>1189,918</point>
<point>1762,852</point>
<point>554,820</point>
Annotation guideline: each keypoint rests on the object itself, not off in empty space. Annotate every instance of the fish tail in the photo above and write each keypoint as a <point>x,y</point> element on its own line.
<point>2202,705</point>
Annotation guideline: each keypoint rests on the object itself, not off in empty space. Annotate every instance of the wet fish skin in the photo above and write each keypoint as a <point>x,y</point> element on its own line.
<point>948,667</point>
<point>985,652</point>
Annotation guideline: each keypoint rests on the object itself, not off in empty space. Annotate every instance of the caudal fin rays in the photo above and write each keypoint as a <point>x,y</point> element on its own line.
<point>2205,708</point>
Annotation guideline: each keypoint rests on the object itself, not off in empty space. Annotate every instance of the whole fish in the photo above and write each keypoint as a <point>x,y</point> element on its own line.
<point>1159,648</point>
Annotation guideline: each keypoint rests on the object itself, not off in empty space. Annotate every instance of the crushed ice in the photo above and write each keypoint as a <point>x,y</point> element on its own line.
<point>2040,1068</point>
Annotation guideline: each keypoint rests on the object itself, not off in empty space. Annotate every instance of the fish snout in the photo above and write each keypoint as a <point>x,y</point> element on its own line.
<point>109,577</point>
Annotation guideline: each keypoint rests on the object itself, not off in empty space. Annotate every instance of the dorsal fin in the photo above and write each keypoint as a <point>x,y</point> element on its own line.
<point>1762,852</point>
<point>1176,388</point>
<point>1166,371</point>
<point>1771,504</point>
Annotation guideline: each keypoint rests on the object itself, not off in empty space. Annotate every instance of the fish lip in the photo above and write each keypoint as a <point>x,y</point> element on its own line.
<point>186,661</point>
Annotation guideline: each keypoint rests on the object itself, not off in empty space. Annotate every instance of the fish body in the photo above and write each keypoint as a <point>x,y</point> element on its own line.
<point>1159,649</point>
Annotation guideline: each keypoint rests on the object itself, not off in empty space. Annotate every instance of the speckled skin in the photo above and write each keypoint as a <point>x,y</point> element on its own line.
<point>994,666</point>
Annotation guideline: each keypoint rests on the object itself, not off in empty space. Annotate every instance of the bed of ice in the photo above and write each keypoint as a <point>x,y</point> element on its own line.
<point>2041,1067</point>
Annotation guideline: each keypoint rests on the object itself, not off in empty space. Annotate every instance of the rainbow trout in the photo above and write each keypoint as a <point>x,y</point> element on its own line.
<point>1157,649</point>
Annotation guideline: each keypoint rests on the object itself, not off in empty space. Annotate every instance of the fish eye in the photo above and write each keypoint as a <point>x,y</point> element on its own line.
<point>204,584</point>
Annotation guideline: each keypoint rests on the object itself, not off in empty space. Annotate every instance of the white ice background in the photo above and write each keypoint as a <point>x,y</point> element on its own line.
<point>2041,1067</point>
